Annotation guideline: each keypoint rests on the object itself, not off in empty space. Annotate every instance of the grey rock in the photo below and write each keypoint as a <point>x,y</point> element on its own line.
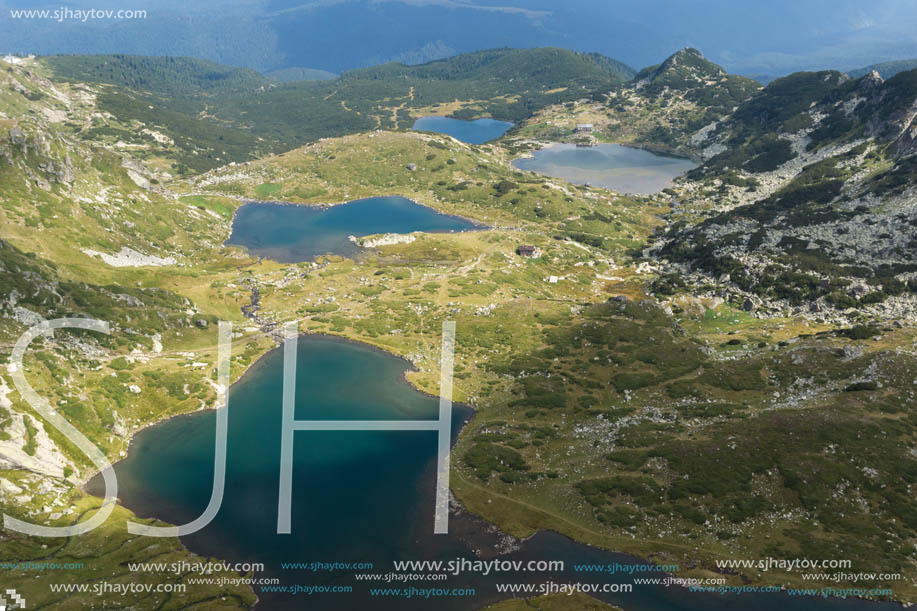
<point>852,352</point>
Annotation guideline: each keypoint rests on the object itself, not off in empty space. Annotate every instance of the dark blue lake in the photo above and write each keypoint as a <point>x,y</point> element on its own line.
<point>624,169</point>
<point>358,496</point>
<point>290,232</point>
<point>478,131</point>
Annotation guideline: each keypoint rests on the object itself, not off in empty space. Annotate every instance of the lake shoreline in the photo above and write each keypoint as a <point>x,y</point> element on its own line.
<point>620,168</point>
<point>659,150</point>
<point>249,369</point>
<point>476,132</point>
<point>474,224</point>
<point>409,367</point>
<point>482,526</point>
<point>329,205</point>
<point>475,529</point>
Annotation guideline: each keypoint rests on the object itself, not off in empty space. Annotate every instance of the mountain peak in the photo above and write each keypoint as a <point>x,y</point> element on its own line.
<point>688,52</point>
<point>689,61</point>
<point>687,68</point>
<point>871,80</point>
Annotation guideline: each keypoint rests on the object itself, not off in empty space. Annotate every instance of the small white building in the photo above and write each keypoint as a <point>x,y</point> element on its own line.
<point>584,128</point>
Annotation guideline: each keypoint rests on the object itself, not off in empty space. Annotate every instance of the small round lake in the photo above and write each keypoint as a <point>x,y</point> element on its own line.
<point>292,232</point>
<point>620,168</point>
<point>478,131</point>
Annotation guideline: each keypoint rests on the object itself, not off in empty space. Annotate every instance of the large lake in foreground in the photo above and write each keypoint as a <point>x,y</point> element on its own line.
<point>620,168</point>
<point>358,496</point>
<point>291,232</point>
<point>478,131</point>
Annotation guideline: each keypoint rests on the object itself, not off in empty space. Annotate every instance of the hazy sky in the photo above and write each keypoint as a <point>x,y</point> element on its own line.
<point>749,36</point>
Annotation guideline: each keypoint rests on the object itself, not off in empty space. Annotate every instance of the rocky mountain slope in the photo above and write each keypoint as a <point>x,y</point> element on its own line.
<point>662,107</point>
<point>690,76</point>
<point>807,195</point>
<point>804,196</point>
<point>87,231</point>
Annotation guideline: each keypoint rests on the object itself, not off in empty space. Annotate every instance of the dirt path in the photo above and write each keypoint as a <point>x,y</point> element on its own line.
<point>467,268</point>
<point>401,107</point>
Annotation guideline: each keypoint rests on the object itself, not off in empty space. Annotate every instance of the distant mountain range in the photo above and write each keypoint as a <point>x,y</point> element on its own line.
<point>771,38</point>
<point>885,69</point>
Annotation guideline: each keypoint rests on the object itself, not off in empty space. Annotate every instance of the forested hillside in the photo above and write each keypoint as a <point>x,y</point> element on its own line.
<point>168,76</point>
<point>215,114</point>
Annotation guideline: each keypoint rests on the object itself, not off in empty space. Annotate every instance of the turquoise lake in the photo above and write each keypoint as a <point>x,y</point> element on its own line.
<point>478,131</point>
<point>358,496</point>
<point>292,232</point>
<point>620,168</point>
